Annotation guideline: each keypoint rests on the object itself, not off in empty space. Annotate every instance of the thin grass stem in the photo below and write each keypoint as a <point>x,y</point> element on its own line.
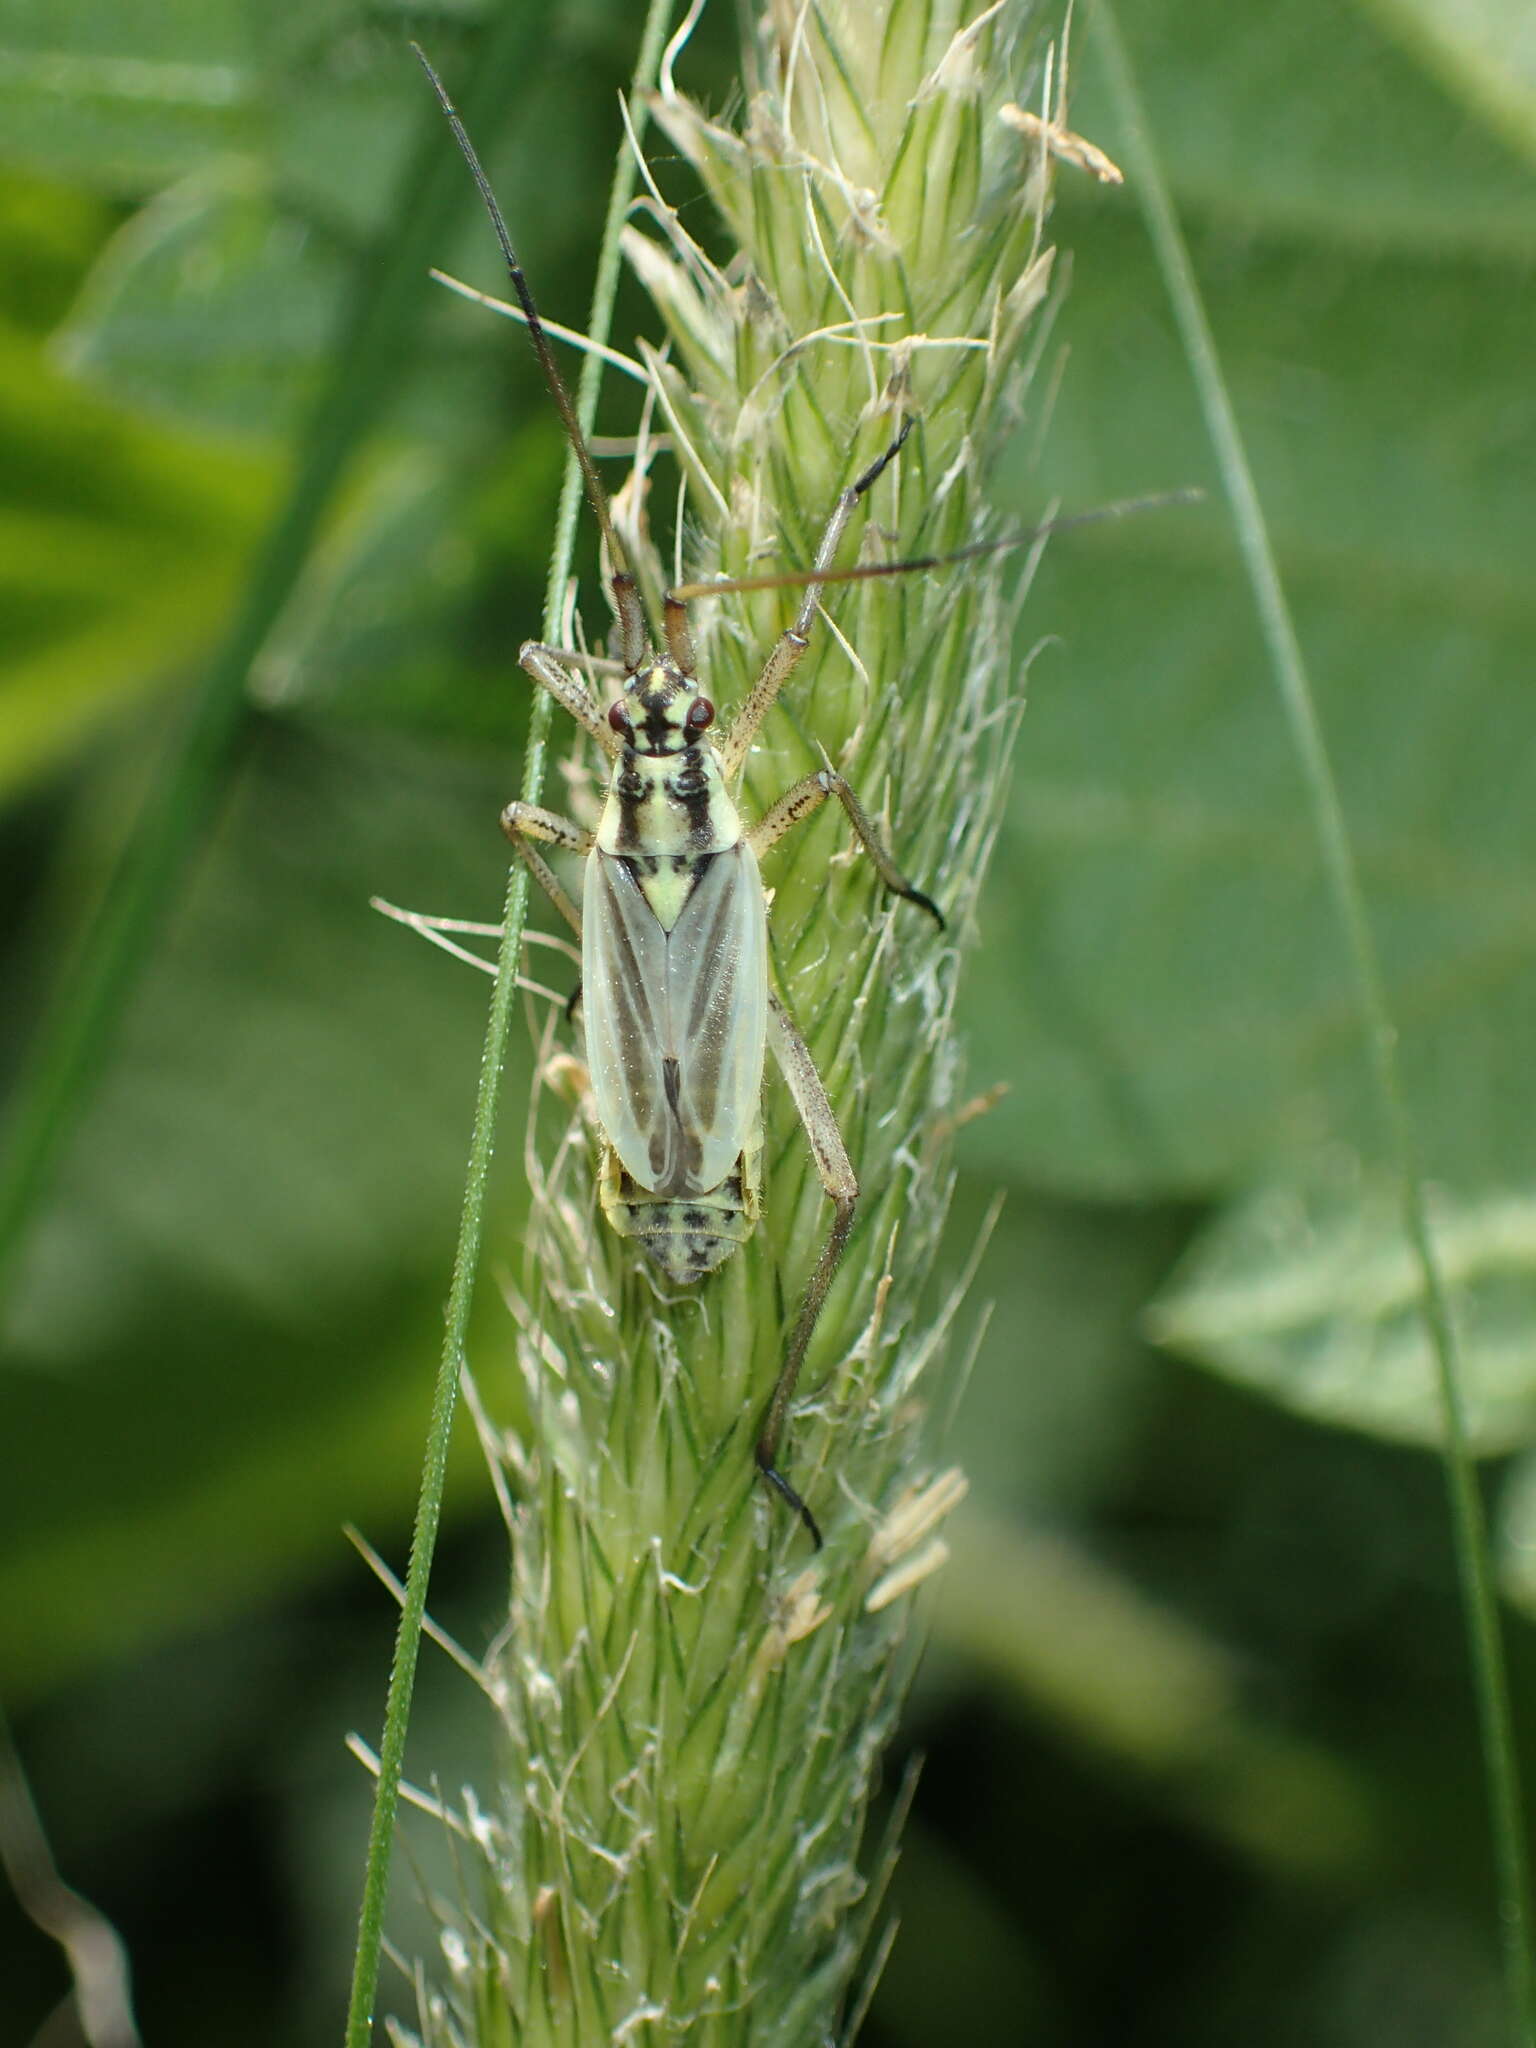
<point>1474,1566</point>
<point>482,1137</point>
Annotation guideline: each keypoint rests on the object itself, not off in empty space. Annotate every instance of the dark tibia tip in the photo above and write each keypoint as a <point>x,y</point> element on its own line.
<point>926,903</point>
<point>786,1492</point>
<point>880,462</point>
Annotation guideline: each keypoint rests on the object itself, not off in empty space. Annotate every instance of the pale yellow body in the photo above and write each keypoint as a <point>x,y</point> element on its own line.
<point>675,991</point>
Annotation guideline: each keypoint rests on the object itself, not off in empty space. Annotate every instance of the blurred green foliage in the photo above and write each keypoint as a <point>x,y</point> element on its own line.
<point>1203,1766</point>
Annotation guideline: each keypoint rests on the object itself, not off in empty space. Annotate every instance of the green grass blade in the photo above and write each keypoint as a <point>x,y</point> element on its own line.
<point>1474,1568</point>
<point>383,312</point>
<point>472,1216</point>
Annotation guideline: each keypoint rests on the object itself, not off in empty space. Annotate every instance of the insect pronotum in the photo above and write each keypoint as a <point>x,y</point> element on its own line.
<point>675,986</point>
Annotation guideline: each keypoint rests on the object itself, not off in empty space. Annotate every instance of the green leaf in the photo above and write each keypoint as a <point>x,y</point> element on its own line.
<point>211,306</point>
<point>125,97</point>
<point>1483,50</point>
<point>121,544</point>
<point>1306,121</point>
<point>1515,1534</point>
<point>1164,983</point>
<point>1305,1291</point>
<point>214,1349</point>
<point>263,1196</point>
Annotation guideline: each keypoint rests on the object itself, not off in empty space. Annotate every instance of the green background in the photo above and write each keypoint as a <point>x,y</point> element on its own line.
<point>1201,1760</point>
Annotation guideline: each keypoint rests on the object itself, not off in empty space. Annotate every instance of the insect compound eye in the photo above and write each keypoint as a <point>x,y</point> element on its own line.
<point>701,713</point>
<point>618,716</point>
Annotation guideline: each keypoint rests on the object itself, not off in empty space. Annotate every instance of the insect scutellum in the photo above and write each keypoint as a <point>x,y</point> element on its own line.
<point>675,988</point>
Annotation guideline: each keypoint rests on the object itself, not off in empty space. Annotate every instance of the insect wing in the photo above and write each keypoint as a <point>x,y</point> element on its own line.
<point>676,1021</point>
<point>717,954</point>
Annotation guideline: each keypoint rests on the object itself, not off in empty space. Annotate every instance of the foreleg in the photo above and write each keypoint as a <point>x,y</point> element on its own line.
<point>524,823</point>
<point>544,665</point>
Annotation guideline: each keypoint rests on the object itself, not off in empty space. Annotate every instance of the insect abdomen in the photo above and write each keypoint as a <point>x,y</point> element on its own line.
<point>686,1236</point>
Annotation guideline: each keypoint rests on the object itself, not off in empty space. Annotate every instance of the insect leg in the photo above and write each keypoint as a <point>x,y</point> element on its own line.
<point>791,644</point>
<point>797,804</point>
<point>523,823</point>
<point>575,657</point>
<point>543,664</point>
<point>835,1171</point>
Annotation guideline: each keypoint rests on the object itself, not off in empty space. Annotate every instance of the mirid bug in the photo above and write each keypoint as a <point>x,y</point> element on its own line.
<point>675,985</point>
<point>678,1005</point>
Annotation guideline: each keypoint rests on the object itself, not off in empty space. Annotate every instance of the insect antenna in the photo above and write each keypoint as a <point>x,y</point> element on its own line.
<point>625,592</point>
<point>862,572</point>
<point>679,636</point>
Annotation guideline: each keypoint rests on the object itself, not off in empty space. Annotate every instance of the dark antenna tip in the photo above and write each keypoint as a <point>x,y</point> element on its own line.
<point>596,495</point>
